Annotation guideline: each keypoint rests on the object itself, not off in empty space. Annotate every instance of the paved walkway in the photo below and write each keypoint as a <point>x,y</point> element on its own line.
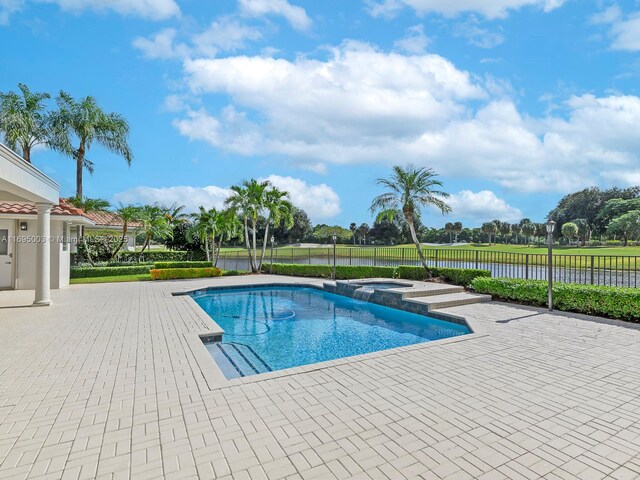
<point>105,385</point>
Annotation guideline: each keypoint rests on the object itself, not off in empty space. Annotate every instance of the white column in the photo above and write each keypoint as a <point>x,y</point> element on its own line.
<point>43,255</point>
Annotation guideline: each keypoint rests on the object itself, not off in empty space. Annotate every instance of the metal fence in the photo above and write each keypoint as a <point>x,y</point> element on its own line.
<point>607,270</point>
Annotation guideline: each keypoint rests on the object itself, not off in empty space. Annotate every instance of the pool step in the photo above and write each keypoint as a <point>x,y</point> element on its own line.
<point>431,289</point>
<point>435,302</point>
<point>237,359</point>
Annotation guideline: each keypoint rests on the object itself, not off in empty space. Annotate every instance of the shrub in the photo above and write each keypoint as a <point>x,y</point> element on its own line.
<point>233,273</point>
<point>185,264</point>
<point>614,302</point>
<point>175,273</point>
<point>457,276</point>
<point>160,256</point>
<point>343,272</point>
<point>91,272</point>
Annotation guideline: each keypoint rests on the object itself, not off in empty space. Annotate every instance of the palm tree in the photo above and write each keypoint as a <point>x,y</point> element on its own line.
<point>154,224</point>
<point>457,229</point>
<point>128,214</point>
<point>505,230</point>
<point>279,209</point>
<point>87,205</point>
<point>88,123</point>
<point>490,228</point>
<point>176,215</point>
<point>24,121</point>
<point>203,227</point>
<point>410,189</point>
<point>363,230</point>
<point>516,228</point>
<point>248,200</point>
<point>354,228</point>
<point>528,230</point>
<point>448,228</point>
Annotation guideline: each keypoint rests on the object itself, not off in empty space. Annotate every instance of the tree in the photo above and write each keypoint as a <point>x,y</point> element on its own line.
<point>490,228</point>
<point>528,230</point>
<point>128,214</point>
<point>154,224</point>
<point>386,231</point>
<point>354,228</point>
<point>626,226</point>
<point>324,233</point>
<point>448,228</point>
<point>409,190</point>
<point>457,230</point>
<point>616,207</point>
<point>505,230</point>
<point>211,228</point>
<point>248,200</point>
<point>583,229</point>
<point>363,231</point>
<point>87,205</point>
<point>89,124</point>
<point>24,121</point>
<point>299,230</point>
<point>516,228</point>
<point>569,231</point>
<point>279,209</point>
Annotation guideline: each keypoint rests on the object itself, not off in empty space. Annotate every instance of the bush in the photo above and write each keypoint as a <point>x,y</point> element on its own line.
<point>613,302</point>
<point>233,273</point>
<point>175,273</point>
<point>160,256</point>
<point>457,276</point>
<point>200,264</point>
<point>92,272</point>
<point>343,272</point>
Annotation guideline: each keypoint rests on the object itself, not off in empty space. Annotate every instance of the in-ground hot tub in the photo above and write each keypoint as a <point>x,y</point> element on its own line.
<point>381,284</point>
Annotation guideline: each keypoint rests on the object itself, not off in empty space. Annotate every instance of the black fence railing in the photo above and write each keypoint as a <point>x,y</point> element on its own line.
<point>606,270</point>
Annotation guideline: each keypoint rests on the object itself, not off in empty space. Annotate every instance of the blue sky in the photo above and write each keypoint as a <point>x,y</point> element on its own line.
<point>513,102</point>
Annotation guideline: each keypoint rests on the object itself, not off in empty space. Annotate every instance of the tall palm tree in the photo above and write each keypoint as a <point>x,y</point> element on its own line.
<point>448,228</point>
<point>354,228</point>
<point>490,228</point>
<point>363,230</point>
<point>154,224</point>
<point>505,230</point>
<point>203,227</point>
<point>176,214</point>
<point>128,214</point>
<point>457,229</point>
<point>24,121</point>
<point>87,205</point>
<point>409,190</point>
<point>248,200</point>
<point>528,230</point>
<point>89,124</point>
<point>279,209</point>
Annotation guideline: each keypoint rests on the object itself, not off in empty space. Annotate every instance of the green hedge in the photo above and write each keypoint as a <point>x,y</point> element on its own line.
<point>614,302</point>
<point>343,272</point>
<point>457,276</point>
<point>161,256</point>
<point>91,272</point>
<point>175,273</point>
<point>185,264</point>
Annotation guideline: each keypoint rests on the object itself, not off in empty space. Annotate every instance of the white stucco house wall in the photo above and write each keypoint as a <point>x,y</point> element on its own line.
<point>34,229</point>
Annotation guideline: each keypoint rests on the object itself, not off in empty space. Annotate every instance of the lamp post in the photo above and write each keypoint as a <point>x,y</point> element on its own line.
<point>335,238</point>
<point>551,225</point>
<point>271,265</point>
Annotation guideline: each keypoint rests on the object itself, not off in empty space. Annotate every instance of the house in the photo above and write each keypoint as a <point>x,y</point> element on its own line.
<point>108,221</point>
<point>34,229</point>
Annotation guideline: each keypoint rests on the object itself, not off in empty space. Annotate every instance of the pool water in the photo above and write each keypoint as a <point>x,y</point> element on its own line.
<point>271,328</point>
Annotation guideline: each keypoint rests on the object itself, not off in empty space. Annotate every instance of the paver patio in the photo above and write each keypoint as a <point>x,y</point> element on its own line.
<point>104,384</point>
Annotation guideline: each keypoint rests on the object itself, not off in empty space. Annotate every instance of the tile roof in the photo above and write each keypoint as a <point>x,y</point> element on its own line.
<point>63,209</point>
<point>103,218</point>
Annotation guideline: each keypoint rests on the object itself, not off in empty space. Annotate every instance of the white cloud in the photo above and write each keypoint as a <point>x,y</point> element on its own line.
<point>223,35</point>
<point>190,197</point>
<point>147,9</point>
<point>487,8</point>
<point>160,46</point>
<point>415,41</point>
<point>363,106</point>
<point>624,31</point>
<point>319,201</point>
<point>477,207</point>
<point>477,35</point>
<point>7,8</point>
<point>295,15</point>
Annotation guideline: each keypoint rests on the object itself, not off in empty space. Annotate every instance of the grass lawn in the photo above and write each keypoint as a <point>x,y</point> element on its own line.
<point>140,277</point>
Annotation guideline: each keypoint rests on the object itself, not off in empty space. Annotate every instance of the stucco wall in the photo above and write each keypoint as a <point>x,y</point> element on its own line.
<point>25,258</point>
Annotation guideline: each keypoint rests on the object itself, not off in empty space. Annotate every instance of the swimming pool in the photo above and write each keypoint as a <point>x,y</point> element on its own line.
<point>276,327</point>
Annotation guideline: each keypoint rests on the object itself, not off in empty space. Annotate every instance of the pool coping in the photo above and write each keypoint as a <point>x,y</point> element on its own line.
<point>216,380</point>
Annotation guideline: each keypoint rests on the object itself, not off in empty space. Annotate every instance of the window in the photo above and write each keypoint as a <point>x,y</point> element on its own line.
<point>4,241</point>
